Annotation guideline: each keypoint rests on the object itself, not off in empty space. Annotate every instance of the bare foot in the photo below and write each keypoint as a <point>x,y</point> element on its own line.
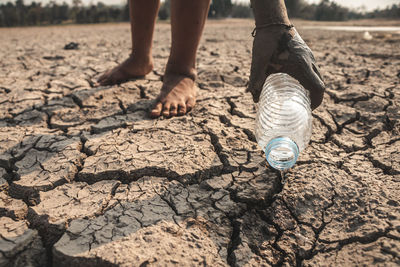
<point>177,96</point>
<point>132,67</point>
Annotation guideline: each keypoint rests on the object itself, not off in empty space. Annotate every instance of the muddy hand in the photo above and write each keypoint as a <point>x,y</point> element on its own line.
<point>280,49</point>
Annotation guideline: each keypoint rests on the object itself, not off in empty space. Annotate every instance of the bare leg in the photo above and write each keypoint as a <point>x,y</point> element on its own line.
<point>143,14</point>
<point>178,93</point>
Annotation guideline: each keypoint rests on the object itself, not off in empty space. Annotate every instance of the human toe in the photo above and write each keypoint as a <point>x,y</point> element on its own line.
<point>190,104</point>
<point>173,111</point>
<point>108,79</point>
<point>181,109</point>
<point>156,111</point>
<point>103,77</point>
<point>166,108</point>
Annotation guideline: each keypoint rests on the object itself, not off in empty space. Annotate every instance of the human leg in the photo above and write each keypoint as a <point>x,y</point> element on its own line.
<point>178,93</point>
<point>143,14</point>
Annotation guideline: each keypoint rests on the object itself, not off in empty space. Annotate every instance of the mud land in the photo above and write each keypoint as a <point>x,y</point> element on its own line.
<point>87,179</point>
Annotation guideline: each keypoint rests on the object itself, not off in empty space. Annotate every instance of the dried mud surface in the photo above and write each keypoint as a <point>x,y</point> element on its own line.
<point>86,178</point>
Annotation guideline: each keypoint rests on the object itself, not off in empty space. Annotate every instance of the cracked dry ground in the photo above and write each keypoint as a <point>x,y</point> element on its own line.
<point>87,179</point>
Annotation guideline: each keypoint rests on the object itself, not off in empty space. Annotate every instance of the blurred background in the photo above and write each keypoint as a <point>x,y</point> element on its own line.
<point>49,12</point>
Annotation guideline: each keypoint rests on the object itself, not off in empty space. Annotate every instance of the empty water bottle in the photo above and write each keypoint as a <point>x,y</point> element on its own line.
<point>284,120</point>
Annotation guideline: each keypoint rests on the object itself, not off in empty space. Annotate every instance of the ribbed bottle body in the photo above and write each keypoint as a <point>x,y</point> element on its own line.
<point>283,118</point>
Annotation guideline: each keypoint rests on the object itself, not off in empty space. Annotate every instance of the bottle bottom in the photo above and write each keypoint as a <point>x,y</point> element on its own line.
<point>281,153</point>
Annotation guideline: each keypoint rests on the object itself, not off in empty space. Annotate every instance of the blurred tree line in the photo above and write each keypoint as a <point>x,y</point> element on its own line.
<point>17,13</point>
<point>328,10</point>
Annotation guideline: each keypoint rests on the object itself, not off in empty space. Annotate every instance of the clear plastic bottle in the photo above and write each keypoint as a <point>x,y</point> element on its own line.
<point>284,120</point>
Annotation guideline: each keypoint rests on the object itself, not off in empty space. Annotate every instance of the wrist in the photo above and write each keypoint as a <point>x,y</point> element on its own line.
<point>269,12</point>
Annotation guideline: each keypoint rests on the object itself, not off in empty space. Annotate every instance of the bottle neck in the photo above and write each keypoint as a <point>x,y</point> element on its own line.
<point>281,153</point>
